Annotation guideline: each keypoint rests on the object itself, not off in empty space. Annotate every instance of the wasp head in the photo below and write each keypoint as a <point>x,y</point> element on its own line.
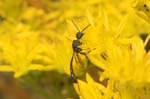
<point>79,35</point>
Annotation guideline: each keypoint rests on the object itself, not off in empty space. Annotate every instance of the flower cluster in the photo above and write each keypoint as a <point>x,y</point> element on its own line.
<point>122,50</point>
<point>38,36</point>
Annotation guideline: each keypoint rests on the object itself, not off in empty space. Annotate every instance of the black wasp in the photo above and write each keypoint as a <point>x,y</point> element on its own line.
<point>78,50</point>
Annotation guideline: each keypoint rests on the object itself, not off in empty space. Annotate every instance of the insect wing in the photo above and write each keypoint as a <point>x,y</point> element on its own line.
<point>79,64</point>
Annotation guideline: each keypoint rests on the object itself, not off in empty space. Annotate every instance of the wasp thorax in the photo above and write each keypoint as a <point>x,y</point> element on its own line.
<point>79,35</point>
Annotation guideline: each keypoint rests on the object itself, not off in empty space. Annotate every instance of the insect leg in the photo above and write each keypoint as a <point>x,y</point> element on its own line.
<point>89,61</point>
<point>79,59</point>
<point>74,79</point>
<point>88,50</point>
<point>84,55</point>
<point>76,59</point>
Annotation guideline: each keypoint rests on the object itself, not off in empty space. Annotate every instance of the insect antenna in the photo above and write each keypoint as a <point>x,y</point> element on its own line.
<point>76,26</point>
<point>85,28</point>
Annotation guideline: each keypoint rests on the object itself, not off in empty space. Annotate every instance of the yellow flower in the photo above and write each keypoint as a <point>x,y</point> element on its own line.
<point>122,55</point>
<point>17,55</point>
<point>30,50</point>
<point>94,90</point>
<point>39,40</point>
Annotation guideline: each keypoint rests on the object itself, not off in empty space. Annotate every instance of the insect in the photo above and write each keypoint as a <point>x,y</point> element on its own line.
<point>77,50</point>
